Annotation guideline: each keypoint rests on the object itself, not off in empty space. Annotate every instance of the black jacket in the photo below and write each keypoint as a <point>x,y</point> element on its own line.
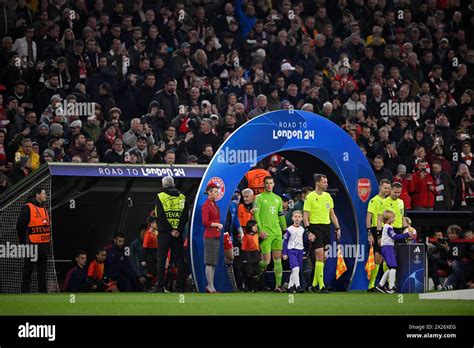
<point>169,103</point>
<point>113,157</point>
<point>448,192</point>
<point>163,225</point>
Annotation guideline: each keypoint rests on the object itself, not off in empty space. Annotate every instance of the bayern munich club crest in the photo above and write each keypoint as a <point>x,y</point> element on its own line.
<point>363,189</point>
<point>220,184</point>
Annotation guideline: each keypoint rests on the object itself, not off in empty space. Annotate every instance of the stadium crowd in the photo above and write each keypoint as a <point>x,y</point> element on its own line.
<point>168,82</point>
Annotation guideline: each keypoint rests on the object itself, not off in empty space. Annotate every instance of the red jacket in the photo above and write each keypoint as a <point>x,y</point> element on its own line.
<point>423,195</point>
<point>210,214</point>
<point>407,189</point>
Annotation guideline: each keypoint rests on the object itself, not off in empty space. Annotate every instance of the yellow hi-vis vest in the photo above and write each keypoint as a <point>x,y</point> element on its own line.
<point>173,207</point>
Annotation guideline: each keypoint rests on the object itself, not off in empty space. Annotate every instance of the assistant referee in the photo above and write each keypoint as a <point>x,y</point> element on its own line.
<point>318,215</point>
<point>395,204</point>
<point>373,211</point>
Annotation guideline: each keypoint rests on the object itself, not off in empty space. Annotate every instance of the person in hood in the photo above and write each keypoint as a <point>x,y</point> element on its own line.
<point>172,215</point>
<point>155,118</point>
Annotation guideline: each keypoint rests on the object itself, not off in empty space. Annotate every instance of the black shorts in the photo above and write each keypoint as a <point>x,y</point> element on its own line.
<point>323,235</point>
<point>377,237</point>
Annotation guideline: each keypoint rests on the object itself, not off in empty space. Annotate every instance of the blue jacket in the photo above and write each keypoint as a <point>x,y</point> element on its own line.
<point>246,22</point>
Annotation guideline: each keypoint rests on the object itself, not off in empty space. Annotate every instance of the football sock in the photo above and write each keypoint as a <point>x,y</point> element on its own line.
<point>296,276</point>
<point>278,271</point>
<point>373,276</point>
<point>391,278</point>
<point>320,273</point>
<point>384,278</point>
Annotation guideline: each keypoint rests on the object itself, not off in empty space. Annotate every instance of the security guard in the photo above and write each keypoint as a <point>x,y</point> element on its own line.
<point>172,215</point>
<point>34,228</point>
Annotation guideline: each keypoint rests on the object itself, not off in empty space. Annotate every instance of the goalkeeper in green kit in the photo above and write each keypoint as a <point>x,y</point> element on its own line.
<point>268,212</point>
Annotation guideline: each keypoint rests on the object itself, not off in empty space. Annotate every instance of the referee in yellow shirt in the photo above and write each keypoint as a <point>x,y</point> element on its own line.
<point>373,211</point>
<point>396,205</point>
<point>318,215</point>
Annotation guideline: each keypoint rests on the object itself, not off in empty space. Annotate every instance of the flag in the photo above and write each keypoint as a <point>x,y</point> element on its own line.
<point>370,265</point>
<point>341,265</point>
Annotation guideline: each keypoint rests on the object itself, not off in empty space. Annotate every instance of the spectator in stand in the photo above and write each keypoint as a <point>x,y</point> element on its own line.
<point>466,156</point>
<point>445,187</point>
<point>136,130</point>
<point>407,185</point>
<point>423,193</point>
<point>26,149</point>
<point>205,136</point>
<point>380,171</point>
<point>106,139</point>
<point>464,198</point>
<point>312,64</point>
<point>78,148</point>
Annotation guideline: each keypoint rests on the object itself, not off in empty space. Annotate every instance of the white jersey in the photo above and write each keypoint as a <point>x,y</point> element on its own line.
<point>294,235</point>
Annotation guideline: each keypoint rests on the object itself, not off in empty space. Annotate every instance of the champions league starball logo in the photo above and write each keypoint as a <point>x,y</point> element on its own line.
<point>220,185</point>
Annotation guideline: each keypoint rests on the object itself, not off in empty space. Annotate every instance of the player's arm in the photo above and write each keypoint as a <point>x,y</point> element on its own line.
<point>306,219</point>
<point>281,216</point>
<point>368,221</point>
<point>379,220</point>
<point>391,233</point>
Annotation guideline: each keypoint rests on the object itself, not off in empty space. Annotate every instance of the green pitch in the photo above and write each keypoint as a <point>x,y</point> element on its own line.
<point>344,303</point>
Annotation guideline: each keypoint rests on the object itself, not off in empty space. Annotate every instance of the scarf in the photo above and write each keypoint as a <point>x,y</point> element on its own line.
<point>249,105</point>
<point>110,138</point>
<point>467,158</point>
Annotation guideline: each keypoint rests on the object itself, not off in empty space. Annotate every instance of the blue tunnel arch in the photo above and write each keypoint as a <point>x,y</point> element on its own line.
<point>312,143</point>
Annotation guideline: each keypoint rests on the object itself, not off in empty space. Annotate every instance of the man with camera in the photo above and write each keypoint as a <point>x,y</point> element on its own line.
<point>437,258</point>
<point>457,257</point>
<point>136,130</point>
